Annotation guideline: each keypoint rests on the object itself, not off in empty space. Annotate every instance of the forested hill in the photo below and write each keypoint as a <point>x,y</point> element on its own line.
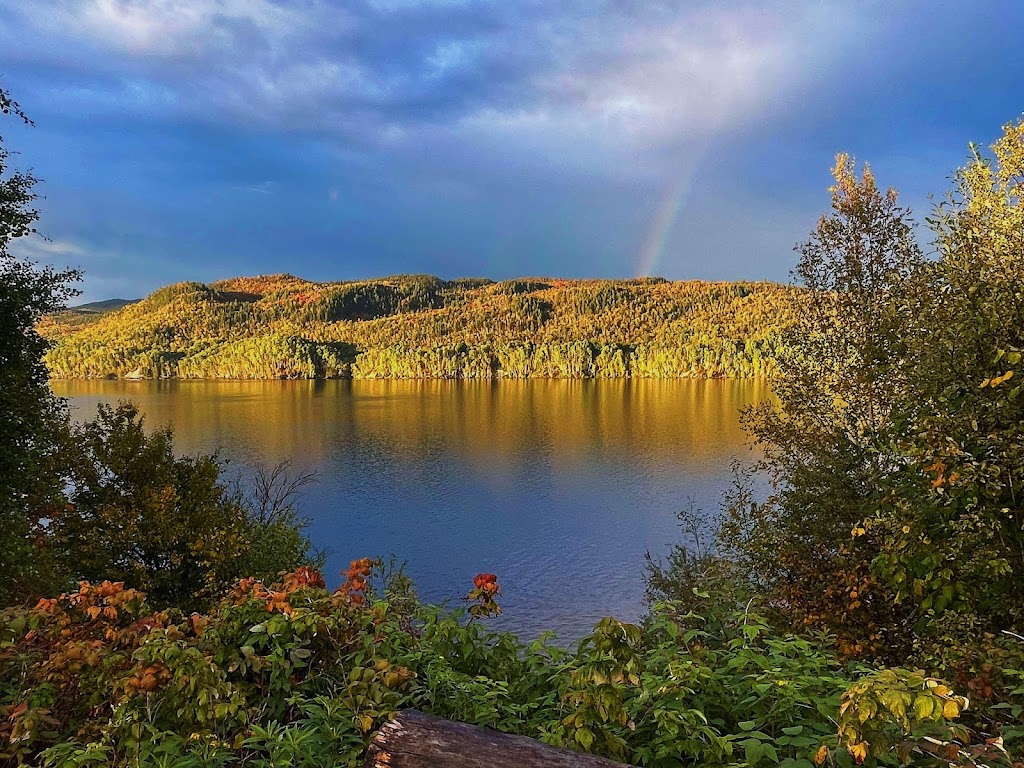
<point>423,327</point>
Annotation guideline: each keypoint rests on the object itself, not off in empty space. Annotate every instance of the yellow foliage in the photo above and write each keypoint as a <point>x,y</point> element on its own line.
<point>422,327</point>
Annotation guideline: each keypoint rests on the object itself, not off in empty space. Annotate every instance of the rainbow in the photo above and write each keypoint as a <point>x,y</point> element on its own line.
<point>672,203</point>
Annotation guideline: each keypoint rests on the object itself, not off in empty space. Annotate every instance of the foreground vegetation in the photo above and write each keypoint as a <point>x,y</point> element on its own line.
<point>869,610</point>
<point>295,675</point>
<point>424,327</point>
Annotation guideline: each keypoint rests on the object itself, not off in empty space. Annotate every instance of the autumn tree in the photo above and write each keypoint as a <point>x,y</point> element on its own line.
<point>840,369</point>
<point>950,530</point>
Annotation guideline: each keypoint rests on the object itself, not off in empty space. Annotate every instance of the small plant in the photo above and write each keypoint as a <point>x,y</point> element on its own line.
<point>482,596</point>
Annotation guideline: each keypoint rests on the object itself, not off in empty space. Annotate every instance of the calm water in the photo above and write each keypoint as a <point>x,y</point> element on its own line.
<point>559,487</point>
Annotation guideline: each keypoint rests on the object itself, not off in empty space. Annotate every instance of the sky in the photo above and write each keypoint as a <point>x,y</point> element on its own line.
<point>204,139</point>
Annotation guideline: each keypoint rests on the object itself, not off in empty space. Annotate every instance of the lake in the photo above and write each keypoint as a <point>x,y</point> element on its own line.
<point>559,487</point>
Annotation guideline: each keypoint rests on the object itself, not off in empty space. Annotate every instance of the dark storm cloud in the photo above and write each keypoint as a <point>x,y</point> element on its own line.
<point>367,71</point>
<point>191,139</point>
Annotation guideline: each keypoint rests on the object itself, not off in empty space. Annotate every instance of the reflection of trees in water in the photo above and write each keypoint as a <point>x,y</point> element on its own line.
<point>487,421</point>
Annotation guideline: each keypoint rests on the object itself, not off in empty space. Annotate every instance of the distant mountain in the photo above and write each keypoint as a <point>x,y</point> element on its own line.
<point>99,307</point>
<point>418,326</point>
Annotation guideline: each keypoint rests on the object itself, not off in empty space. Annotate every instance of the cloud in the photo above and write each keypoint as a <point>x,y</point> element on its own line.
<point>596,81</point>
<point>407,135</point>
<point>172,29</point>
<point>35,248</point>
<point>650,80</point>
<point>262,188</point>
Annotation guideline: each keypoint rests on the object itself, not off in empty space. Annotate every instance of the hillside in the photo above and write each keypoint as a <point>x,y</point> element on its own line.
<point>423,327</point>
<point>99,307</point>
<point>84,314</point>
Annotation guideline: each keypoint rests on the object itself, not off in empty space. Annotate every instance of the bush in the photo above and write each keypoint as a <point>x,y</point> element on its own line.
<point>136,513</point>
<point>294,674</point>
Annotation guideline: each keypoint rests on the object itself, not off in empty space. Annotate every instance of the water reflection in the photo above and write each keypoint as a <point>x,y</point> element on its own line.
<point>558,486</point>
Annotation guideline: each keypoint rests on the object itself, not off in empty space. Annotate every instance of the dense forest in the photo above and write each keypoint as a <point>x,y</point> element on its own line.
<point>282,327</point>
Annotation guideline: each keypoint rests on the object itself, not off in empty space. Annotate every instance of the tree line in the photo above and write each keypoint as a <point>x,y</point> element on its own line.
<point>282,327</point>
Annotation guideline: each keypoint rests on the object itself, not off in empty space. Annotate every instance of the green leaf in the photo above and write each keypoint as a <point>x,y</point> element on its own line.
<point>924,707</point>
<point>585,737</point>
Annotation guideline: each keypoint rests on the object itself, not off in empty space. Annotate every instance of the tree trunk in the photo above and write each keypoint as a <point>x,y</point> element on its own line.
<point>415,740</point>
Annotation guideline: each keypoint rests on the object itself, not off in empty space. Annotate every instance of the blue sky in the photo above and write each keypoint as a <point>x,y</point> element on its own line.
<point>202,139</point>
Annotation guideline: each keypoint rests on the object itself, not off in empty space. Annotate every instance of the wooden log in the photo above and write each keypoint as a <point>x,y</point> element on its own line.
<point>415,740</point>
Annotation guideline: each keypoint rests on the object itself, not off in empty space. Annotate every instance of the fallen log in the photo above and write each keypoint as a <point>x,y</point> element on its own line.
<point>415,740</point>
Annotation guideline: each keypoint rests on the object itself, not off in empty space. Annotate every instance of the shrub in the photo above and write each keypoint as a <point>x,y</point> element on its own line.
<point>136,513</point>
<point>292,673</point>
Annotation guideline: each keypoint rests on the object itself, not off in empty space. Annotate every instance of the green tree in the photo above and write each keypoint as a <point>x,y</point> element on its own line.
<point>164,524</point>
<point>839,371</point>
<point>950,529</point>
<point>32,418</point>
